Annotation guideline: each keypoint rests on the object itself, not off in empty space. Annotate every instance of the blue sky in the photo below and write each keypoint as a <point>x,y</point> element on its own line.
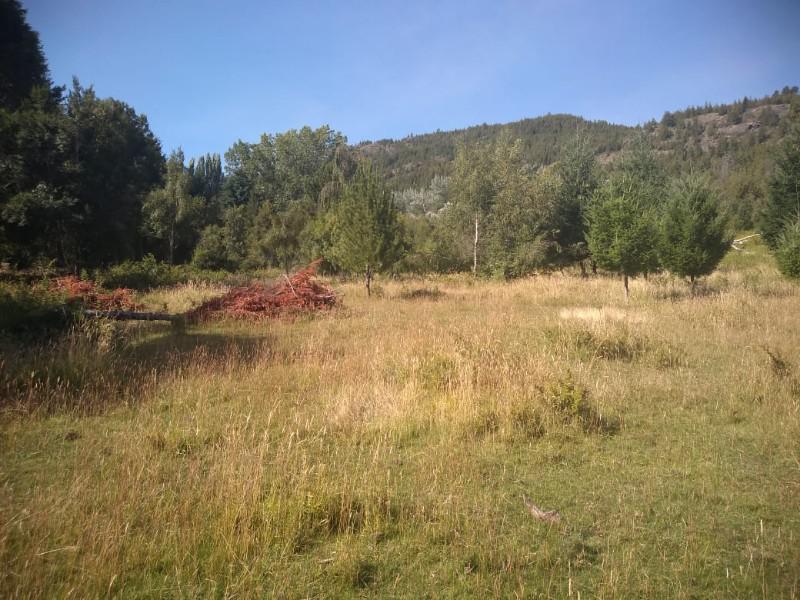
<point>207,73</point>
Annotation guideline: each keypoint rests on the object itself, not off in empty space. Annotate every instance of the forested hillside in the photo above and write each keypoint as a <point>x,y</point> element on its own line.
<point>415,160</point>
<point>731,141</point>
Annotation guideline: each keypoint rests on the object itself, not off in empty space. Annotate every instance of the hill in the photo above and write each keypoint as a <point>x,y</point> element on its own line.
<point>413,161</point>
<point>731,142</point>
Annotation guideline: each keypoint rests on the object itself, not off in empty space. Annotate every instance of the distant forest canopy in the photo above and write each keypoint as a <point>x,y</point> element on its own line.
<point>85,183</point>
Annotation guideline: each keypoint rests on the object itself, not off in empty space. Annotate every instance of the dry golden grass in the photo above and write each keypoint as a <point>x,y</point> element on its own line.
<point>384,449</point>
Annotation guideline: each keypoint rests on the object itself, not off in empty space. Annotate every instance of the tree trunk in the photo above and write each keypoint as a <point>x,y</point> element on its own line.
<point>594,266</point>
<point>583,269</point>
<point>692,284</point>
<point>368,280</point>
<point>475,249</point>
<point>625,283</point>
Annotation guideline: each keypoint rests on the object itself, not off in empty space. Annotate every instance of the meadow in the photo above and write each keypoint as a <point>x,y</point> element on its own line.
<point>383,449</point>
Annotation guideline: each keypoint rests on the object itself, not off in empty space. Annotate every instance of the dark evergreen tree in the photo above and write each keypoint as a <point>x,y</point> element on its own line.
<point>693,237</point>
<point>622,231</point>
<point>787,250</point>
<point>23,66</point>
<point>783,199</point>
<point>578,172</point>
<point>368,236</point>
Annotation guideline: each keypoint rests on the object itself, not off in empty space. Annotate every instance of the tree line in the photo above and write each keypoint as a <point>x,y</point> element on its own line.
<point>85,184</point>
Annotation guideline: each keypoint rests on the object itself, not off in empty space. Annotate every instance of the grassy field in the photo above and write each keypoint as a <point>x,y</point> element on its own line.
<point>384,449</point>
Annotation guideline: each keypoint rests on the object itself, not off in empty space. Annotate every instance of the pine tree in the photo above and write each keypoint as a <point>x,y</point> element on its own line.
<point>23,66</point>
<point>578,172</point>
<point>783,200</point>
<point>368,235</point>
<point>692,237</point>
<point>787,251</point>
<point>622,231</point>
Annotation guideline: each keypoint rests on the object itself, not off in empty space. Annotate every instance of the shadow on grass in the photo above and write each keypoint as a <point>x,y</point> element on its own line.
<point>91,374</point>
<point>170,349</point>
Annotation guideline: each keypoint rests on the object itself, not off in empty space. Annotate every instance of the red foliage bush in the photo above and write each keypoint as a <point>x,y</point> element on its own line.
<point>301,292</point>
<point>87,293</point>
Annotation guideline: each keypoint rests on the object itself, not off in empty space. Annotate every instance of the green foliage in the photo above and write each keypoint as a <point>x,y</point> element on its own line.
<point>298,165</point>
<point>783,202</point>
<point>118,161</point>
<point>414,161</point>
<point>787,251</point>
<point>622,216</point>
<point>577,170</point>
<point>23,66</point>
<point>276,237</point>
<point>33,311</point>
<point>522,231</point>
<point>693,237</point>
<point>171,214</point>
<point>149,273</point>
<point>368,234</point>
<point>622,230</point>
<point>83,181</point>
<point>432,246</point>
<point>211,251</point>
<point>429,200</point>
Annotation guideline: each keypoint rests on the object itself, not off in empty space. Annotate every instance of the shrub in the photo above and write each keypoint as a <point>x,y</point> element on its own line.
<point>787,253</point>
<point>149,273</point>
<point>33,310</point>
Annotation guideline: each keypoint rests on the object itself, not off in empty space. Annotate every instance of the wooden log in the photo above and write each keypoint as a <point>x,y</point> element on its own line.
<point>128,315</point>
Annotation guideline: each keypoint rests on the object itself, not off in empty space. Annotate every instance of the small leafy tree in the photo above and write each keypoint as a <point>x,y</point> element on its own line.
<point>367,235</point>
<point>472,191</point>
<point>693,237</point>
<point>522,233</point>
<point>622,232</point>
<point>211,251</point>
<point>171,214</point>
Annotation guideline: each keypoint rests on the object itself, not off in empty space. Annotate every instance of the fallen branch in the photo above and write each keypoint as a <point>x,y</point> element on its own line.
<point>548,516</point>
<point>744,239</point>
<point>747,237</point>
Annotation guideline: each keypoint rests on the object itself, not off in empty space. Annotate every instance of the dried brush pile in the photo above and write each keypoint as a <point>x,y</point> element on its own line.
<point>302,292</point>
<point>90,296</point>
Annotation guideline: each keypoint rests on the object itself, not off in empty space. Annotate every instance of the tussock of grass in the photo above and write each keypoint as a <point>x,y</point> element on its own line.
<point>384,450</point>
<point>421,293</point>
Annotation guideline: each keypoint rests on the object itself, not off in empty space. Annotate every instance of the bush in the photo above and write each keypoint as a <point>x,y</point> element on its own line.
<point>33,310</point>
<point>787,252</point>
<point>211,251</point>
<point>149,273</point>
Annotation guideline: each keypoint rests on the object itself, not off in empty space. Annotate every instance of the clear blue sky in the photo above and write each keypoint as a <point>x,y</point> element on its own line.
<point>207,73</point>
